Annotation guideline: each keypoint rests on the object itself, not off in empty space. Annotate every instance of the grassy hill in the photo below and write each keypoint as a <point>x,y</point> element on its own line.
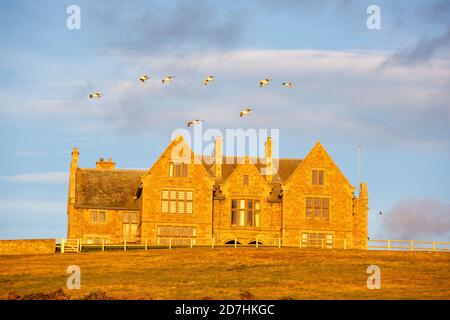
<point>229,273</point>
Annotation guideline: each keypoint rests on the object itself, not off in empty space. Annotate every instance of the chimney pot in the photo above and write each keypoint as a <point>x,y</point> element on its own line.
<point>102,164</point>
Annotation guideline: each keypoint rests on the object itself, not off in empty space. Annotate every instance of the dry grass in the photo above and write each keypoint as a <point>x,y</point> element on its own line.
<point>229,273</point>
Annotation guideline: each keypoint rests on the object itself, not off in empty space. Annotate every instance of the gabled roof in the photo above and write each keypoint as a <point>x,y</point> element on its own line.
<point>117,188</point>
<point>193,157</point>
<point>107,189</point>
<point>317,146</point>
<point>285,166</point>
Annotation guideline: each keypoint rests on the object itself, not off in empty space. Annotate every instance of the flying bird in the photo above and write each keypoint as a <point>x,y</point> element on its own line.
<point>381,213</point>
<point>167,79</point>
<point>288,84</point>
<point>246,112</point>
<point>264,82</point>
<point>144,78</point>
<point>208,79</point>
<point>194,122</point>
<point>95,95</point>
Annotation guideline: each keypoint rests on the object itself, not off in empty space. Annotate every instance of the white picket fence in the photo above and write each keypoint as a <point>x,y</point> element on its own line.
<point>77,245</point>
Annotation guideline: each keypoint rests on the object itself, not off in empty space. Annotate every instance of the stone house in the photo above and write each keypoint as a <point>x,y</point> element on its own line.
<point>189,198</point>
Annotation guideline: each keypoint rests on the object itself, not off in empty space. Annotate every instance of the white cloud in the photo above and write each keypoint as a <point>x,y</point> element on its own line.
<point>40,177</point>
<point>345,90</point>
<point>32,206</point>
<point>38,153</point>
<point>28,218</point>
<point>418,219</point>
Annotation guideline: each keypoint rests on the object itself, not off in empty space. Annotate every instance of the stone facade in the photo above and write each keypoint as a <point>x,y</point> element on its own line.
<point>188,198</point>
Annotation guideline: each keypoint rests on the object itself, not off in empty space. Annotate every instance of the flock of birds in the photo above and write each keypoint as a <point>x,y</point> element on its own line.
<point>208,80</point>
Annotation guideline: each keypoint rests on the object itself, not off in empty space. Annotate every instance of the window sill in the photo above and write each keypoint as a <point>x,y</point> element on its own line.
<point>176,213</point>
<point>246,227</point>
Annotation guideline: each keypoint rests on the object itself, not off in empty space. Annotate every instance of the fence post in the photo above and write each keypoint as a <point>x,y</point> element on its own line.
<point>433,246</point>
<point>279,242</point>
<point>213,241</point>
<point>411,246</point>
<point>103,245</point>
<point>321,240</point>
<point>345,244</point>
<point>125,244</point>
<point>170,243</point>
<point>235,242</point>
<point>256,242</point>
<point>300,243</point>
<point>389,245</point>
<point>192,242</point>
<point>62,245</point>
<point>79,244</point>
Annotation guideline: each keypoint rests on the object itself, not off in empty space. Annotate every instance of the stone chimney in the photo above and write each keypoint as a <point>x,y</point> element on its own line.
<point>73,175</point>
<point>105,165</point>
<point>75,155</point>
<point>360,217</point>
<point>269,160</point>
<point>363,194</point>
<point>218,149</point>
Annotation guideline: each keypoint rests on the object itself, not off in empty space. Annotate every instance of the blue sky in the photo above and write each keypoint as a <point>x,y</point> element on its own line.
<point>388,90</point>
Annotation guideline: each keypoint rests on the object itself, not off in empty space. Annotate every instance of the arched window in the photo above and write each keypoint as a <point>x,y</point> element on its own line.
<point>232,242</point>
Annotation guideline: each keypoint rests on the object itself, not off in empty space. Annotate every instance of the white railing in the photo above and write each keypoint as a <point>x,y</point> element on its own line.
<point>408,245</point>
<point>77,245</point>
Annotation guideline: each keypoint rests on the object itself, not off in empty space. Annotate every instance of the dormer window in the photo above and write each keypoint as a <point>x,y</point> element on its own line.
<point>318,177</point>
<point>178,170</point>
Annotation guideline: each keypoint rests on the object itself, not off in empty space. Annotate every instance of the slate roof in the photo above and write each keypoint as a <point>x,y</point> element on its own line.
<point>107,189</point>
<point>116,188</point>
<point>286,166</point>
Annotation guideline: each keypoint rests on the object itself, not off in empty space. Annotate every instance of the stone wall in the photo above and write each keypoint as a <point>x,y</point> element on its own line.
<point>257,189</point>
<point>347,222</point>
<point>27,246</point>
<point>198,181</point>
<point>111,228</point>
<point>336,188</point>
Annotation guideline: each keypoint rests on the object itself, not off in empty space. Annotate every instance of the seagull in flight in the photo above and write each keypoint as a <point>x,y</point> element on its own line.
<point>144,78</point>
<point>208,79</point>
<point>264,82</point>
<point>194,122</point>
<point>288,84</point>
<point>95,95</point>
<point>167,79</point>
<point>246,112</point>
